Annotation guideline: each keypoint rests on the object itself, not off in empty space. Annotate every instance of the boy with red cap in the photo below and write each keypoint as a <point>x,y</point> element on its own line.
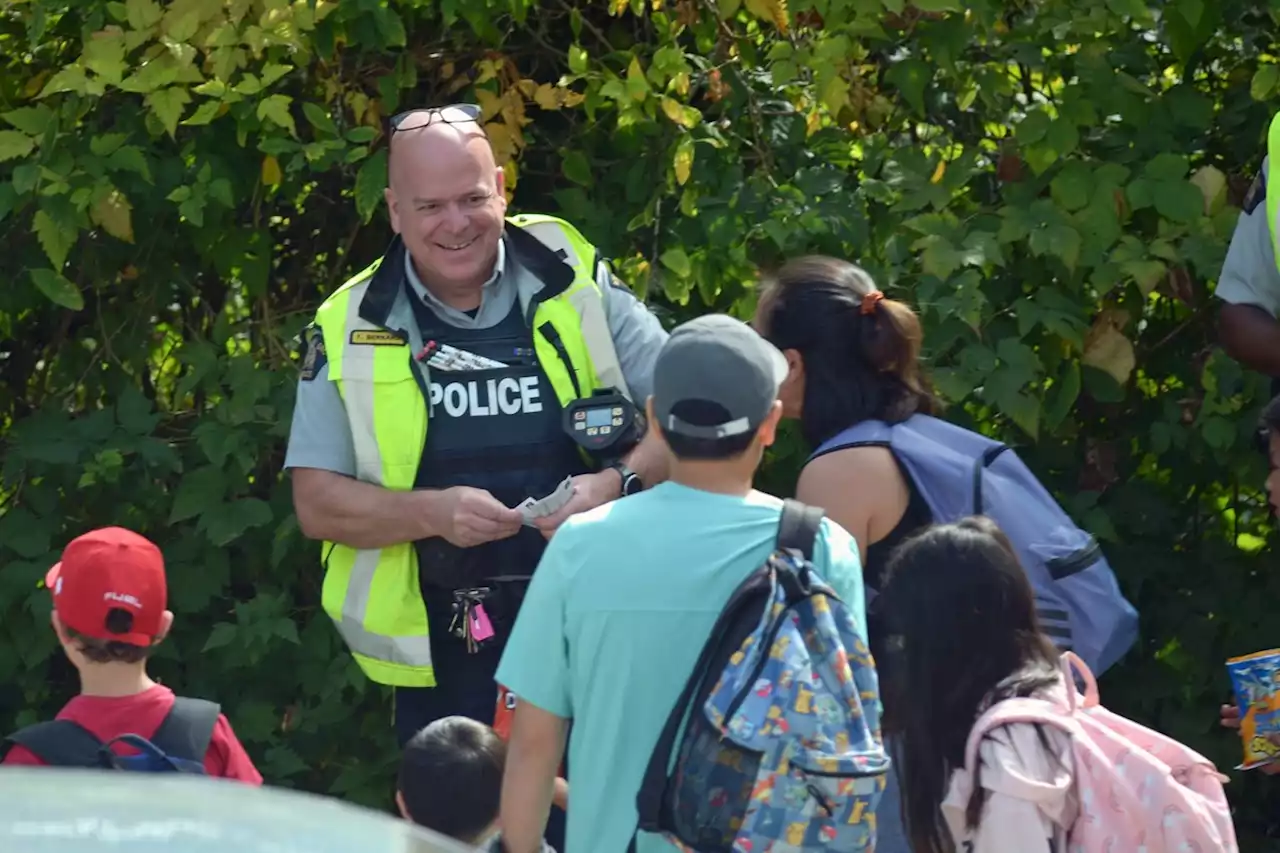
<point>109,612</point>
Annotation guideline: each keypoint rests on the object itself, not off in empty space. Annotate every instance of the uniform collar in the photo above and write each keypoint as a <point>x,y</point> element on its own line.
<point>387,283</point>
<point>425,294</point>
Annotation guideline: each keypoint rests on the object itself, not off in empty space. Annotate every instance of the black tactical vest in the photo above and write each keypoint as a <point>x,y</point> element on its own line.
<point>498,429</point>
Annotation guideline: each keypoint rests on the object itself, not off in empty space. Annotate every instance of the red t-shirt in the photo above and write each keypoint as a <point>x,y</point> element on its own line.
<point>142,714</point>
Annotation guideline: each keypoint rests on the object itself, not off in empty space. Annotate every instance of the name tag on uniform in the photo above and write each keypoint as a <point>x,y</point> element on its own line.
<point>377,338</point>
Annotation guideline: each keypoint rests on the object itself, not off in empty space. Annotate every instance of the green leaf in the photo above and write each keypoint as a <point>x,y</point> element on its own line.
<point>371,184</point>
<point>55,239</point>
<point>24,533</point>
<point>33,121</point>
<point>58,289</point>
<point>276,108</point>
<point>204,114</point>
<point>361,135</point>
<point>1062,396</point>
<point>1178,200</point>
<point>1264,82</point>
<point>222,635</point>
<point>1033,128</point>
<point>319,118</point>
<point>910,77</point>
<point>677,261</point>
<point>167,106</point>
<point>937,5</point>
<point>1167,167</point>
<point>105,144</point>
<point>14,144</point>
<point>200,489</point>
<point>143,14</point>
<point>1072,186</point>
<point>227,522</point>
<point>577,168</point>
<point>577,59</point>
<point>69,79</point>
<point>129,158</point>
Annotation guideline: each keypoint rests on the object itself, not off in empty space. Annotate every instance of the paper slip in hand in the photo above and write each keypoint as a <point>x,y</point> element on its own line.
<point>549,505</point>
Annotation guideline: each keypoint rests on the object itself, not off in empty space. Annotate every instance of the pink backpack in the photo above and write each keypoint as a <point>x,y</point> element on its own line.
<point>1139,791</point>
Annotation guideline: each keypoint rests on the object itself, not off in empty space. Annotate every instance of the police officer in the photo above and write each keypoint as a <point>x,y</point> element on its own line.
<point>1250,281</point>
<point>408,472</point>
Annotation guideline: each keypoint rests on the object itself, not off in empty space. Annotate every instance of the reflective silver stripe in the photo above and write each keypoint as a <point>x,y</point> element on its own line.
<point>589,304</point>
<point>358,393</point>
<point>358,373</point>
<point>406,651</point>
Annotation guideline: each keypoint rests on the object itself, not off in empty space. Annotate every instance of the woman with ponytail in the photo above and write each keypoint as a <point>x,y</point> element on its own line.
<point>853,355</point>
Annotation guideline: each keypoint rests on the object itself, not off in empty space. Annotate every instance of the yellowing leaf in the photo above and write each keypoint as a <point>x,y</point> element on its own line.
<point>677,113</point>
<point>1106,347</point>
<point>114,213</point>
<point>939,172</point>
<point>1213,186</point>
<point>545,97</point>
<point>54,239</point>
<point>618,7</point>
<point>683,160</point>
<point>58,289</point>
<point>271,175</point>
<point>637,84</point>
<point>167,105</point>
<point>14,144</point>
<point>771,10</point>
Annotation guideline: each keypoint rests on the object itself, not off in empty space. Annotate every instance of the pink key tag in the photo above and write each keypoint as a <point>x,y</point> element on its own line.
<point>481,628</point>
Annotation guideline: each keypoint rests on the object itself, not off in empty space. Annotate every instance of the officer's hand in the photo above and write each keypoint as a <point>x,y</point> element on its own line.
<point>589,492</point>
<point>473,516</point>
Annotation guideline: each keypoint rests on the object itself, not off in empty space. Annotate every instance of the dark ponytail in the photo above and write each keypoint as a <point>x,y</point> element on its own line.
<point>861,350</point>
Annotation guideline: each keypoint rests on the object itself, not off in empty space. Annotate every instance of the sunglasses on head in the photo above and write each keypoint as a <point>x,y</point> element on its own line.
<point>424,116</point>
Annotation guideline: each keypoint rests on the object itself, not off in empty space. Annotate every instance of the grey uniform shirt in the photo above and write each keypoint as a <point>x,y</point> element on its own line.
<point>1249,274</point>
<point>320,436</point>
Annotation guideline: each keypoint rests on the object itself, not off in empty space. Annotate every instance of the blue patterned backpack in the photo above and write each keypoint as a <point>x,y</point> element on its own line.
<point>775,741</point>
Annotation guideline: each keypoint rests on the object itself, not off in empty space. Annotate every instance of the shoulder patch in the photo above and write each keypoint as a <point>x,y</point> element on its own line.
<point>313,357</point>
<point>377,338</point>
<point>1257,193</point>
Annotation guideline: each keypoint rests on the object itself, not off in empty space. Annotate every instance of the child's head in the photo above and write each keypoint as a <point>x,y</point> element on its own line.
<point>961,621</point>
<point>451,778</point>
<point>1271,429</point>
<point>109,598</point>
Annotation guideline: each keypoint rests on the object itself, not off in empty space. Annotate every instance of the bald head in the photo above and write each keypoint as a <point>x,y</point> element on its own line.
<point>446,197</point>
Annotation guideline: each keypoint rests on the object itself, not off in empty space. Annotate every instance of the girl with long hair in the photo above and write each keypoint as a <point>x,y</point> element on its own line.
<point>962,634</point>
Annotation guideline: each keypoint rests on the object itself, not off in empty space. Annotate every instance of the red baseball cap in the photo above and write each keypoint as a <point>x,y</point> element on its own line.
<point>107,569</point>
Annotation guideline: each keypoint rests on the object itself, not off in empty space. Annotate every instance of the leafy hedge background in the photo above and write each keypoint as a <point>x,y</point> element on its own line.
<point>1052,183</point>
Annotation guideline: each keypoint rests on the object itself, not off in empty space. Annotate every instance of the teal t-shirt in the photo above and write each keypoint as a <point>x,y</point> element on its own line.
<point>615,618</point>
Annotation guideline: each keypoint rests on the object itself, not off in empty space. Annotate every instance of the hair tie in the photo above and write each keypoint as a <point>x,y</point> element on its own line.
<point>869,301</point>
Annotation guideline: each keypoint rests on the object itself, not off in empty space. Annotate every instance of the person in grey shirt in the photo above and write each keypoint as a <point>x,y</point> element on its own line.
<point>461,273</point>
<point>1249,287</point>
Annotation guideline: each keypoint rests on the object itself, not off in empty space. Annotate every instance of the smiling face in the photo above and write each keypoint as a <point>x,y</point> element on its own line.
<point>445,195</point>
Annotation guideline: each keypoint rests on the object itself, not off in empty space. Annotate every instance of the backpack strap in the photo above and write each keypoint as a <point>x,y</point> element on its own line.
<point>799,526</point>
<point>188,728</point>
<point>58,743</point>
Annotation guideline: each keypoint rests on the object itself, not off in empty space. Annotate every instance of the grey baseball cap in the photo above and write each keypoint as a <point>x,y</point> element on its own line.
<point>719,363</point>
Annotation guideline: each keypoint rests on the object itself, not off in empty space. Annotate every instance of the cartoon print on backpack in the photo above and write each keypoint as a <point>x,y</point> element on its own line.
<point>782,749</point>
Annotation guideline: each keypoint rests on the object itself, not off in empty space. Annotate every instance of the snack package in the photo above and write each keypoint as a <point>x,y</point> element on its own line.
<point>1256,681</point>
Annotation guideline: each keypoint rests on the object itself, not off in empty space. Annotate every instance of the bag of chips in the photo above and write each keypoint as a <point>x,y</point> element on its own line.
<point>1256,681</point>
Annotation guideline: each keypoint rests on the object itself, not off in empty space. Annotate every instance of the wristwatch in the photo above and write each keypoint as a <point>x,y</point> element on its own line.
<point>631,483</point>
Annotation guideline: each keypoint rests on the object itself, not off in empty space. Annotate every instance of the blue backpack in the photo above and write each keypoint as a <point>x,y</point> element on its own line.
<point>961,473</point>
<point>776,736</point>
<point>178,746</point>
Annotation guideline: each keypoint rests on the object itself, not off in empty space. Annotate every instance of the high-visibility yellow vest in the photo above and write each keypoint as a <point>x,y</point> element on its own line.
<point>373,595</point>
<point>1273,187</point>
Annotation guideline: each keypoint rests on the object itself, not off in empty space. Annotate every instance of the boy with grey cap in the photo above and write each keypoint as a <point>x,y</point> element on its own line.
<point>627,594</point>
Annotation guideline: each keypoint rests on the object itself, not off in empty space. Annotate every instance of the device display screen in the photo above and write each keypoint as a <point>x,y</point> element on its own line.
<point>599,417</point>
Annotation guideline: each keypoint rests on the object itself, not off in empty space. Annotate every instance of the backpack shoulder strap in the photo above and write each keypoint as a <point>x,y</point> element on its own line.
<point>799,526</point>
<point>864,434</point>
<point>58,743</point>
<point>187,730</point>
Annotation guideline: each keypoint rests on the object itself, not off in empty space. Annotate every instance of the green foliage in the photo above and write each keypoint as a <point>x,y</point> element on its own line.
<point>1050,182</point>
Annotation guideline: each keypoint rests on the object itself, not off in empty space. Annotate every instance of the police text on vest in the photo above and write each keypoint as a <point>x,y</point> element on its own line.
<point>507,396</point>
